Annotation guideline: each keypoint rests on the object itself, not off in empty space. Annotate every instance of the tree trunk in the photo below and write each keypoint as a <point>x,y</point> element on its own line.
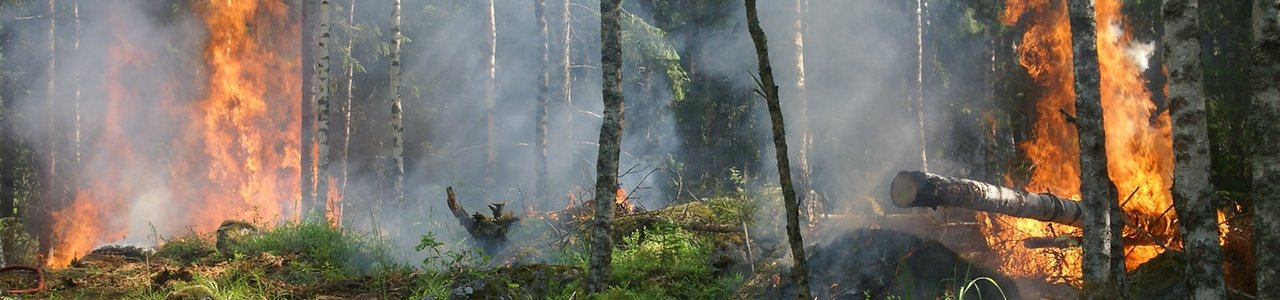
<point>51,166</point>
<point>544,95</point>
<point>490,101</point>
<point>308,183</point>
<point>1266,141</point>
<point>566,64</point>
<point>1103,264</point>
<point>800,272</point>
<point>921,189</point>
<point>397,111</point>
<point>1192,190</point>
<point>349,68</point>
<point>918,89</point>
<point>610,143</point>
<point>75,135</point>
<point>808,196</point>
<point>323,98</point>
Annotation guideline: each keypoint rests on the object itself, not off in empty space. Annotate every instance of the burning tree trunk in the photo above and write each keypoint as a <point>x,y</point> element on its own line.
<point>490,99</point>
<point>323,97</point>
<point>920,189</point>
<point>397,111</point>
<point>544,93</point>
<point>1103,264</point>
<point>1266,151</point>
<point>800,271</point>
<point>1192,190</point>
<point>610,141</point>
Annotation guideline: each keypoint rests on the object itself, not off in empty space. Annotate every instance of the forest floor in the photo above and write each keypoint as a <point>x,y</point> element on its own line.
<point>679,252</point>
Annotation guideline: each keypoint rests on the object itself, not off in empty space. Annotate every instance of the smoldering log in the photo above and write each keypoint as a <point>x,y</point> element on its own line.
<point>489,231</point>
<point>920,189</point>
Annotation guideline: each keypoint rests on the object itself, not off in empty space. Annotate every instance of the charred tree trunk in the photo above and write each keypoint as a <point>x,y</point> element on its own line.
<point>397,110</point>
<point>308,175</point>
<point>610,143</point>
<point>1103,264</point>
<point>1266,141</point>
<point>323,97</point>
<point>1192,189</point>
<point>544,95</point>
<point>490,100</point>
<point>800,272</point>
<point>920,189</point>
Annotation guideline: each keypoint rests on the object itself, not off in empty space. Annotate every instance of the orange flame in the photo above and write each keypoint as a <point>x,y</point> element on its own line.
<point>237,157</point>
<point>1138,144</point>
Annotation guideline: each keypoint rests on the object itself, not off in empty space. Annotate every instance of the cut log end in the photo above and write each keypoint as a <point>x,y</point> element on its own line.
<point>905,189</point>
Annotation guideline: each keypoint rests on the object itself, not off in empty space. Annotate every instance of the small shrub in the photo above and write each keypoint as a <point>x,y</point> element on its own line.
<point>187,249</point>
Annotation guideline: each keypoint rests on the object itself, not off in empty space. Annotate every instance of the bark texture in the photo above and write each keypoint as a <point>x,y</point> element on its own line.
<point>1266,141</point>
<point>1104,255</point>
<point>323,97</point>
<point>1103,263</point>
<point>544,93</point>
<point>1192,190</point>
<point>610,142</point>
<point>397,110</point>
<point>800,271</point>
<point>920,189</point>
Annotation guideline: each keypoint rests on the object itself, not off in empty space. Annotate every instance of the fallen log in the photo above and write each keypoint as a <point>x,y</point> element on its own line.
<point>920,189</point>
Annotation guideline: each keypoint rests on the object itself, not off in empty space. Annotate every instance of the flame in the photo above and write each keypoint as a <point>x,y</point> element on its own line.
<point>1139,148</point>
<point>236,152</point>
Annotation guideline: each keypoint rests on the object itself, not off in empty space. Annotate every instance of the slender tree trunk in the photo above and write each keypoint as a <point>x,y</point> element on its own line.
<point>544,93</point>
<point>1266,141</point>
<point>1103,264</point>
<point>75,137</point>
<point>490,100</point>
<point>349,68</point>
<point>308,175</point>
<point>1192,190</point>
<point>566,64</point>
<point>397,111</point>
<point>610,143</point>
<point>323,97</point>
<point>809,197</point>
<point>918,89</point>
<point>51,166</point>
<point>800,272</point>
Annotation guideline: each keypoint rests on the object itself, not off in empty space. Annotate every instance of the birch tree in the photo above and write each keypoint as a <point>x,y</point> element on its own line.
<point>349,69</point>
<point>1103,263</point>
<point>800,271</point>
<point>610,143</point>
<point>1192,190</point>
<point>397,111</point>
<point>490,98</point>
<point>810,197</point>
<point>323,98</point>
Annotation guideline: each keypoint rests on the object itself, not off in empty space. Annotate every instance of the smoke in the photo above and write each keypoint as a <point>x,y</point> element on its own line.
<point>140,67</point>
